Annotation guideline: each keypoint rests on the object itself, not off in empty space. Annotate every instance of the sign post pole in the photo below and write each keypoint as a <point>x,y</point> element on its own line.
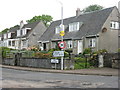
<point>61,31</point>
<point>61,35</point>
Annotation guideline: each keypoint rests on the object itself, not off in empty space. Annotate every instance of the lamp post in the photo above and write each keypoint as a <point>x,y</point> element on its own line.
<point>62,28</point>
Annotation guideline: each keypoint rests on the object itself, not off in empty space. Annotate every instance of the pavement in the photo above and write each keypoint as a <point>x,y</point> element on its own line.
<point>92,71</point>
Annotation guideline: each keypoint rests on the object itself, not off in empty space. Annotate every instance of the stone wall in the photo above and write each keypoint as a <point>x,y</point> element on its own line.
<point>111,60</point>
<point>38,63</point>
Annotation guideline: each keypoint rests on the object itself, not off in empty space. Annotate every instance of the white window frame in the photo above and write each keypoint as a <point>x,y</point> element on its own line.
<point>92,42</point>
<point>5,36</point>
<point>70,44</point>
<point>18,33</point>
<point>114,25</point>
<point>74,26</point>
<point>24,43</point>
<point>9,35</point>
<point>24,31</point>
<point>9,43</point>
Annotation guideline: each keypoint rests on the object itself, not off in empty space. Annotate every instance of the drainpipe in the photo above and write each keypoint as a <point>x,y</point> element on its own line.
<point>96,42</point>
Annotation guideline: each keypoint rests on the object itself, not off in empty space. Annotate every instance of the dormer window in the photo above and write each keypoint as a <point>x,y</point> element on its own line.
<point>18,33</point>
<point>24,31</point>
<point>114,25</point>
<point>9,35</point>
<point>5,36</point>
<point>74,26</point>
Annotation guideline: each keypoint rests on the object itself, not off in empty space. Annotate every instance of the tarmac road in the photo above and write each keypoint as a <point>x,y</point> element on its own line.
<point>28,79</point>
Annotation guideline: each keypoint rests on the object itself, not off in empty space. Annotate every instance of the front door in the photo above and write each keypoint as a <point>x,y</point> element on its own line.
<point>44,46</point>
<point>80,47</point>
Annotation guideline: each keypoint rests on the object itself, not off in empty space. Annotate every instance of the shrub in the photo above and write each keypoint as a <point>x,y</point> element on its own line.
<point>101,51</point>
<point>33,48</point>
<point>87,51</point>
<point>4,51</point>
<point>69,50</point>
<point>66,54</point>
<point>43,55</point>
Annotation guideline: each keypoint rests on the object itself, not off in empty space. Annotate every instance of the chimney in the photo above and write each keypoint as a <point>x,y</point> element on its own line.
<point>78,12</point>
<point>21,24</point>
<point>119,6</point>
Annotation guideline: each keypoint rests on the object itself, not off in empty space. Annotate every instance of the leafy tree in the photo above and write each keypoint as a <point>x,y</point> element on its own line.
<point>7,29</point>
<point>45,18</point>
<point>4,31</point>
<point>92,8</point>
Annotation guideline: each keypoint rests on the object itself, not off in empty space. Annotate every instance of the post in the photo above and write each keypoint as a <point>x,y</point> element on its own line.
<point>62,62</point>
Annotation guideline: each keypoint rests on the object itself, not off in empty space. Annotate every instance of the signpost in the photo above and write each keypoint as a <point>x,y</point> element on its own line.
<point>55,61</point>
<point>58,53</point>
<point>62,45</point>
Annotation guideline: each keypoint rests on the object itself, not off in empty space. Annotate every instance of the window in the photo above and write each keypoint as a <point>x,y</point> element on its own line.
<point>23,31</point>
<point>5,36</point>
<point>9,43</point>
<point>13,43</point>
<point>9,35</point>
<point>114,25</point>
<point>24,43</point>
<point>70,45</point>
<point>18,32</point>
<point>92,42</point>
<point>74,26</point>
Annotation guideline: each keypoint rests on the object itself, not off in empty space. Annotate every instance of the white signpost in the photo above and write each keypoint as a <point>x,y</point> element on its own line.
<point>58,53</point>
<point>54,61</point>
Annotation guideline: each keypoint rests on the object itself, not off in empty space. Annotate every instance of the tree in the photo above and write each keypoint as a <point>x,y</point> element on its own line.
<point>92,8</point>
<point>5,31</point>
<point>45,18</point>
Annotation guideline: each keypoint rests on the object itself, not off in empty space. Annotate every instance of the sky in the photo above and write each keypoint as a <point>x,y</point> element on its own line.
<point>13,11</point>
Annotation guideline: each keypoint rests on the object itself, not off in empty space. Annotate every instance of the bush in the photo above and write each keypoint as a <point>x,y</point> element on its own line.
<point>43,55</point>
<point>4,51</point>
<point>87,51</point>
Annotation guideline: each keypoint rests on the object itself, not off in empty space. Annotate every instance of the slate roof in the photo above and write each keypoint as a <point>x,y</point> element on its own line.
<point>92,24</point>
<point>30,25</point>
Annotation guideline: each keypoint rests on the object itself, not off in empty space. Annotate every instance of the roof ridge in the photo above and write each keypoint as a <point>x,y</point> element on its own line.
<point>86,13</point>
<point>97,10</point>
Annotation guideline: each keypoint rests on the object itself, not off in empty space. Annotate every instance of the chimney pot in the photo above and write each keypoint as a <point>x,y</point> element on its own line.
<point>21,24</point>
<point>78,12</point>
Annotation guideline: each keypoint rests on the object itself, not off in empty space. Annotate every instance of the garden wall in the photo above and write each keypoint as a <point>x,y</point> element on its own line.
<point>38,63</point>
<point>112,60</point>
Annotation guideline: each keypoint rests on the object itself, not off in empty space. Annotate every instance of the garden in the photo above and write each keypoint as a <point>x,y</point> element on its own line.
<point>87,59</point>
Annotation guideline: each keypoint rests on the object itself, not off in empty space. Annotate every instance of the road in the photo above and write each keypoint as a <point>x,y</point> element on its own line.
<point>27,79</point>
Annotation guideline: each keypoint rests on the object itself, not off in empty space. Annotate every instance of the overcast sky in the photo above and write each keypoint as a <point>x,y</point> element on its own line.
<point>13,11</point>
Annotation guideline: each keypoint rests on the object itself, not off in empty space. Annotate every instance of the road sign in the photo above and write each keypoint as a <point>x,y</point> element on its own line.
<point>54,61</point>
<point>62,33</point>
<point>58,53</point>
<point>62,44</point>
